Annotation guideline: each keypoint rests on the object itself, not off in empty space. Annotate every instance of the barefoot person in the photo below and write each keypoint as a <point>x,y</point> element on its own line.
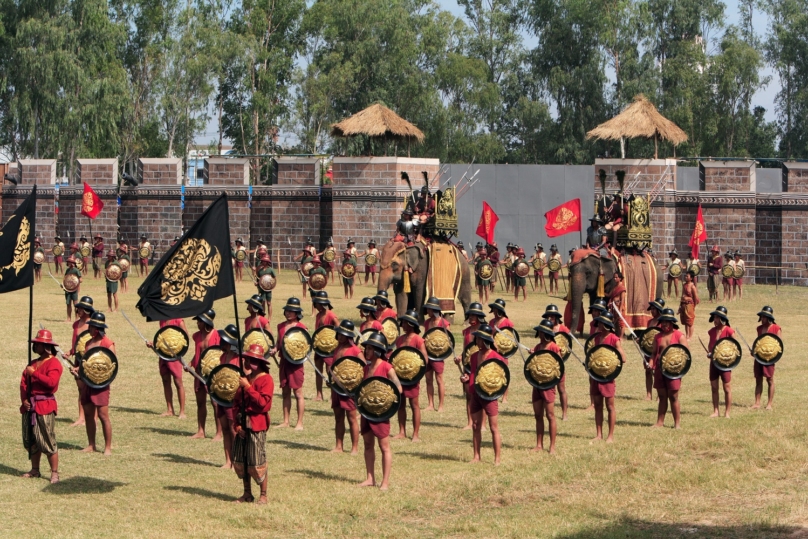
<point>38,386</point>
<point>552,314</point>
<point>655,308</point>
<point>375,355</point>
<point>688,303</point>
<point>84,308</point>
<point>71,298</point>
<point>291,375</point>
<point>367,312</point>
<point>348,257</point>
<point>256,320</point>
<point>325,317</point>
<point>266,297</point>
<point>544,400</point>
<point>482,284</point>
<point>228,339</point>
<point>500,321</point>
<point>434,368</point>
<point>737,283</point>
<point>172,370</point>
<point>203,339</point>
<point>604,391</point>
<point>96,401</point>
<point>344,406</point>
<point>719,330</point>
<point>475,317</point>
<point>252,404</point>
<point>112,286</point>
<point>484,339</point>
<point>767,325</point>
<point>410,337</point>
<point>667,389</point>
<point>38,267</point>
<point>674,261</point>
<point>371,269</point>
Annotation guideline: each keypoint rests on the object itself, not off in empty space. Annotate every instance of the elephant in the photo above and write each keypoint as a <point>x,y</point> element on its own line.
<point>584,279</point>
<point>391,270</point>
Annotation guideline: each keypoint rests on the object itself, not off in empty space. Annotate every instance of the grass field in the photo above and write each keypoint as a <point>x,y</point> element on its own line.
<point>738,477</point>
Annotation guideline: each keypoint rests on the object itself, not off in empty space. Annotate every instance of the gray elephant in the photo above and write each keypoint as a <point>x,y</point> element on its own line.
<point>391,267</point>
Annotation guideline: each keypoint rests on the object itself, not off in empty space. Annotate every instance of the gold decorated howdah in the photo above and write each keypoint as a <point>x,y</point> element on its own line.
<point>637,232</point>
<point>445,221</point>
<point>376,397</point>
<point>191,272</point>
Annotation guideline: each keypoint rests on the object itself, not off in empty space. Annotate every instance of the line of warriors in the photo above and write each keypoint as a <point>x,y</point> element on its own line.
<point>730,267</point>
<point>114,268</point>
<point>374,373</point>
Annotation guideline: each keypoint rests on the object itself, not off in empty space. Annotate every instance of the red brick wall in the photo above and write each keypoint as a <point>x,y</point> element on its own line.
<point>797,177</point>
<point>728,175</point>
<point>295,218</point>
<point>261,219</point>
<point>768,243</point>
<point>45,226</point>
<point>646,172</point>
<point>160,171</point>
<point>73,225</point>
<point>159,217</point>
<point>97,171</point>
<point>37,171</point>
<point>226,171</point>
<point>298,171</point>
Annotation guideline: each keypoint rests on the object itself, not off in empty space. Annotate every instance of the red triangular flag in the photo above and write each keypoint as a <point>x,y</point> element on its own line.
<point>91,204</point>
<point>564,218</point>
<point>698,237</point>
<point>487,224</point>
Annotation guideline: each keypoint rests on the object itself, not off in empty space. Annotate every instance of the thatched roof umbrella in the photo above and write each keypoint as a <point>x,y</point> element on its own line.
<point>379,122</point>
<point>639,120</point>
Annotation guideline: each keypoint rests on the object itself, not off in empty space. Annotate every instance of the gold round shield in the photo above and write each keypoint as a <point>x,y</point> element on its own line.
<point>727,271</point>
<point>171,342</point>
<point>537,265</point>
<point>80,264</point>
<point>325,341</point>
<point>71,282</point>
<point>767,349</point>
<point>224,383</point>
<point>348,270</point>
<point>563,341</point>
<point>486,271</point>
<point>738,272</point>
<point>85,251</point>
<point>491,378</point>
<point>554,265</point>
<point>266,282</point>
<point>726,352</point>
<point>256,336</point>
<point>505,342</point>
<point>124,264</point>
<point>306,268</point>
<point>349,372</point>
<point>437,343</point>
<point>408,363</point>
<point>58,250</point>
<point>371,259</point>
<point>98,367</point>
<point>376,397</point>
<point>39,257</point>
<point>210,359</point>
<point>113,272</point>
<point>241,255</point>
<point>544,367</point>
<point>675,270</point>
<point>470,350</point>
<point>296,345</point>
<point>603,361</point>
<point>521,268</point>
<point>674,360</point>
<point>647,340</point>
<point>695,269</point>
<point>390,330</point>
<point>81,342</point>
<point>317,281</point>
<point>144,252</point>
<point>330,254</point>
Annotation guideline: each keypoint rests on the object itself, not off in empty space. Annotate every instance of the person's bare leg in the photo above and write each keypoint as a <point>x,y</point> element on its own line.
<point>402,422</point>
<point>353,424</point>
<point>387,462</point>
<point>339,429</point>
<point>168,393</point>
<point>318,381</point>
<point>598,418</point>
<point>227,442</point>
<point>562,393</point>
<point>80,421</point>
<point>201,413</point>
<point>416,419</point>
<point>286,395</point>
<point>301,406</point>
<point>493,422</point>
<point>612,418</point>
<point>727,398</point>
<point>538,415</point>
<point>758,392</point>
<point>370,460</point>
<point>649,384</point>
<point>676,409</point>
<point>180,394</point>
<point>770,382</point>
<point>218,421</point>
<point>247,496</point>
<point>430,392</point>
<point>476,434</point>
<point>549,410</point>
<point>441,390</point>
<point>89,414</point>
<point>468,409</point>
<point>106,428</point>
<point>53,462</point>
<point>714,391</point>
<point>662,407</point>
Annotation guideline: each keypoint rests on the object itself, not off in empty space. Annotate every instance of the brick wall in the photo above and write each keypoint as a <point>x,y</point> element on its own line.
<point>45,226</point>
<point>159,171</point>
<point>768,243</point>
<point>295,218</point>
<point>73,225</point>
<point>97,171</point>
<point>261,219</point>
<point>728,175</point>
<point>226,171</point>
<point>298,171</point>
<point>645,172</point>
<point>37,171</point>
<point>796,177</point>
<point>158,216</point>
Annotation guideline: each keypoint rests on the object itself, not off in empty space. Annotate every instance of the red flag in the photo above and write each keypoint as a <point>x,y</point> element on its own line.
<point>698,237</point>
<point>91,204</point>
<point>487,224</point>
<point>564,218</point>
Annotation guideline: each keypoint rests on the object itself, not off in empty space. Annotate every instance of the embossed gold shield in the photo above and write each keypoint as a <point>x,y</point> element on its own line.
<point>209,360</point>
<point>675,361</point>
<point>486,270</point>
<point>98,367</point>
<point>296,345</point>
<point>695,269</point>
<point>492,379</point>
<point>439,343</point>
<point>377,399</point>
<point>738,272</point>
<point>39,257</point>
<point>371,259</point>
<point>544,369</point>
<point>647,340</point>
<point>171,343</point>
<point>347,373</point>
<point>521,268</point>
<point>144,252</point>
<point>469,351</point>
<point>564,342</point>
<point>124,264</point>
<point>223,384</point>
<point>256,336</point>
<point>554,265</point>
<point>307,267</point>
<point>80,264</point>
<point>410,365</point>
<point>58,250</point>
<point>267,282</point>
<point>604,363</point>
<point>71,282</point>
<point>727,271</point>
<point>589,344</point>
<point>241,255</point>
<point>348,270</point>
<point>767,349</point>
<point>330,255</point>
<point>113,273</point>
<point>81,342</point>
<point>325,341</point>
<point>318,281</point>
<point>675,270</point>
<point>390,329</point>
<point>506,342</point>
<point>191,272</point>
<point>537,264</point>
<point>727,354</point>
<point>85,251</point>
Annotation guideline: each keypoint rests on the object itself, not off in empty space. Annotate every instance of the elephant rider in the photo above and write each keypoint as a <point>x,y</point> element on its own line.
<point>407,227</point>
<point>425,207</point>
<point>596,235</point>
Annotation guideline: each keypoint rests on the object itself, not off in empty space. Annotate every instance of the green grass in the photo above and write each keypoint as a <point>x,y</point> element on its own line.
<point>738,477</point>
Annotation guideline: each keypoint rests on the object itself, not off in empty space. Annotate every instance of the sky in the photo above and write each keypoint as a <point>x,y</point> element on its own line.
<point>764,97</point>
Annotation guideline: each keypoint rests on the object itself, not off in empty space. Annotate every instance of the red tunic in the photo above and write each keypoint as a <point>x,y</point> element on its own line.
<point>257,401</point>
<point>89,395</point>
<point>255,322</point>
<point>199,347</point>
<point>171,368</point>
<point>615,306</point>
<point>501,323</point>
<point>380,429</point>
<point>546,395</point>
<point>176,322</point>
<point>600,389</point>
<point>79,326</point>
<point>338,401</point>
<point>660,380</point>
<point>477,404</point>
<point>765,371</point>
<point>416,341</point>
<point>435,366</point>
<point>42,384</point>
<point>387,313</point>
<point>715,335</point>
<point>371,324</point>
<point>291,375</point>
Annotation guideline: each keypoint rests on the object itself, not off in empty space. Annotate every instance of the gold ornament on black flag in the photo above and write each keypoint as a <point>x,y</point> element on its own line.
<point>16,264</point>
<point>192,270</point>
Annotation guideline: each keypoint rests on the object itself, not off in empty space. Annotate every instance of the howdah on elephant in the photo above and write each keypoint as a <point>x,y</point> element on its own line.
<point>395,257</point>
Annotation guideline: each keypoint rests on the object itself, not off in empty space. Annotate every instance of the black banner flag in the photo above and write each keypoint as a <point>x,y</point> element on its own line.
<point>194,272</point>
<point>16,247</point>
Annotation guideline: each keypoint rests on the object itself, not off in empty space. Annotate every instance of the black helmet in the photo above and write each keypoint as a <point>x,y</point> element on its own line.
<point>367,304</point>
<point>346,328</point>
<point>320,297</point>
<point>720,312</point>
<point>432,304</point>
<point>485,333</point>
<point>206,317</point>
<point>411,317</point>
<point>97,320</point>
<point>658,304</point>
<point>229,334</point>
<point>551,310</point>
<point>546,327</point>
<point>498,304</point>
<point>86,303</point>
<point>599,305</point>
<point>256,303</point>
<point>606,319</point>
<point>766,311</point>
<point>378,341</point>
<point>425,189</point>
<point>293,304</point>
<point>668,316</point>
<point>475,309</point>
<point>381,295</point>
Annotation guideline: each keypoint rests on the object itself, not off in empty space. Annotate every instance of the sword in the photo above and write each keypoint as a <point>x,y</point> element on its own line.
<point>634,338</point>
<point>738,331</point>
<point>519,345</point>
<point>57,282</point>
<point>705,348</point>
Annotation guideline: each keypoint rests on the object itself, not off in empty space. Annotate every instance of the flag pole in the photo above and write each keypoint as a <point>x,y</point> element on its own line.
<point>30,319</point>
<point>238,328</point>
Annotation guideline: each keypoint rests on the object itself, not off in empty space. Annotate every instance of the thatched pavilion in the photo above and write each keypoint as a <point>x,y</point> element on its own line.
<point>639,120</point>
<point>378,122</point>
